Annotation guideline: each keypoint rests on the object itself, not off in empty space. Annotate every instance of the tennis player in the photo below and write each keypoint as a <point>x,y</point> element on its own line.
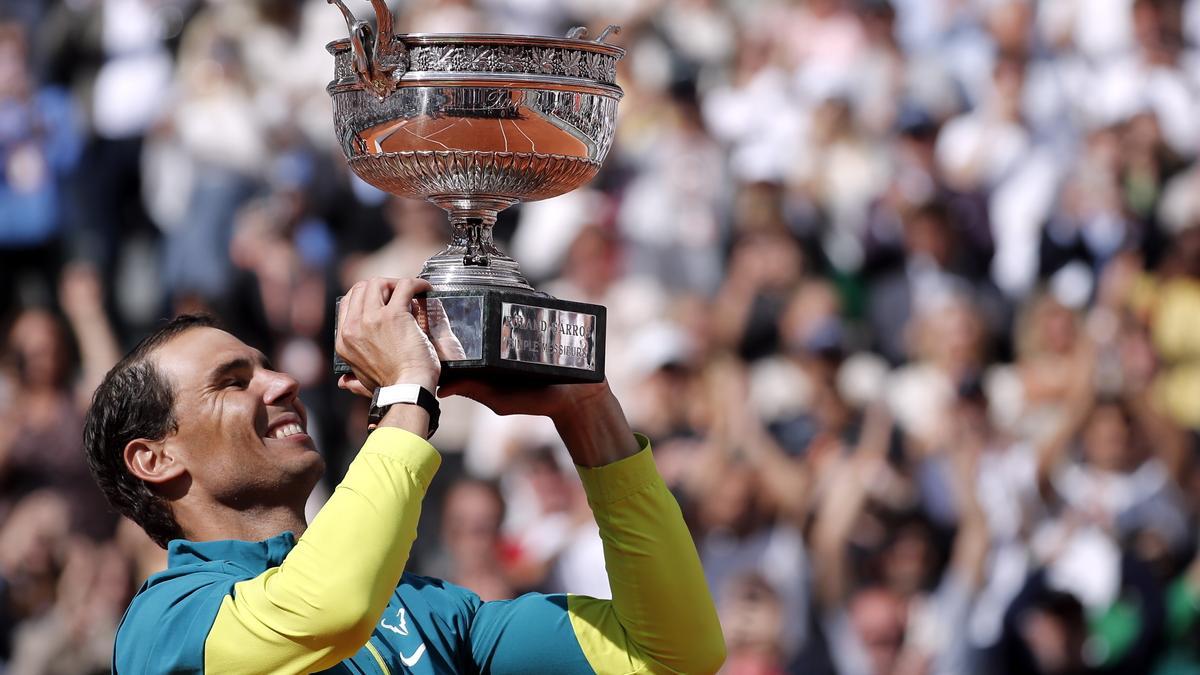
<point>196,438</point>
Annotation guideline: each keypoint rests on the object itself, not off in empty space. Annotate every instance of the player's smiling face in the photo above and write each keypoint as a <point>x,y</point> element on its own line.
<point>242,431</point>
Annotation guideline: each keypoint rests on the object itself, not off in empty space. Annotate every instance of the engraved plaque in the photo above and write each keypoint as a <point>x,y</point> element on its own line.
<point>547,336</point>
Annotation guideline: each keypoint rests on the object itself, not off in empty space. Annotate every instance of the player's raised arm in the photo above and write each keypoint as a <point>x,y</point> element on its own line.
<point>661,618</point>
<point>321,605</point>
<point>222,479</point>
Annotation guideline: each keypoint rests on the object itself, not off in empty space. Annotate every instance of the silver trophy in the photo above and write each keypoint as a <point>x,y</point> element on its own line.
<point>476,123</point>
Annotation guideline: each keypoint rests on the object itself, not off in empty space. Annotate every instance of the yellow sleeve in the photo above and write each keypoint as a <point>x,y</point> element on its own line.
<point>661,618</point>
<point>320,606</point>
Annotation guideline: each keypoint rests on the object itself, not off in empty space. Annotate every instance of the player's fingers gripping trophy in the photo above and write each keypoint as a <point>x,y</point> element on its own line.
<point>380,338</point>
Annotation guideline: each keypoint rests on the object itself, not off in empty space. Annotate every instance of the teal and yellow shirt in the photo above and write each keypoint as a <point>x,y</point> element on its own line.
<point>337,599</point>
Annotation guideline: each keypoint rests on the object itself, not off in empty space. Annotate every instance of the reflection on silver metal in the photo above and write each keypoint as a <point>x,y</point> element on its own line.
<point>547,336</point>
<point>455,325</point>
<point>473,123</point>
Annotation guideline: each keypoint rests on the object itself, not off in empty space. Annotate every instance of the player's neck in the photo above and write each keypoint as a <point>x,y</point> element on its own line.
<point>254,524</point>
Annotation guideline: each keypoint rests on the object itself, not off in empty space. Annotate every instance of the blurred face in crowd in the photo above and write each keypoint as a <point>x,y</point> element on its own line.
<point>1054,636</point>
<point>824,8</point>
<point>758,209</point>
<point>549,483</point>
<point>971,421</point>
<point>414,219</point>
<point>1155,27</point>
<point>907,561</point>
<point>731,504</point>
<point>879,23</point>
<point>1008,83</point>
<point>471,522</point>
<point>811,328</point>
<point>770,261</point>
<point>753,54</point>
<point>110,585</point>
<point>1009,24</point>
<point>241,438</point>
<point>1143,133</point>
<point>962,332</point>
<point>951,336</point>
<point>832,120</point>
<point>1187,251</point>
<point>879,618</point>
<point>1106,439</point>
<point>592,260</point>
<point>14,78</point>
<point>1055,328</point>
<point>31,543</point>
<point>752,614</point>
<point>38,342</point>
<point>927,234</point>
<point>813,310</point>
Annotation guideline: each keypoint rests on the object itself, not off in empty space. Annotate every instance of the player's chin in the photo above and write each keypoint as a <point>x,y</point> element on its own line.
<point>295,453</point>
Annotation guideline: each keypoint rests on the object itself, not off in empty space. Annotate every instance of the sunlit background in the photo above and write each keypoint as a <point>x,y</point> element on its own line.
<point>907,295</point>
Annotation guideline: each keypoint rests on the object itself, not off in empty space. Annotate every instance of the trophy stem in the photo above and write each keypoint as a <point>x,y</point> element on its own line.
<point>472,258</point>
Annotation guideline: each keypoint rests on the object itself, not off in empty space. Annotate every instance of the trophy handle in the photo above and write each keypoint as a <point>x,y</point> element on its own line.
<point>380,59</point>
<point>580,32</point>
<point>612,29</point>
<point>391,56</point>
<point>384,22</point>
<point>360,35</point>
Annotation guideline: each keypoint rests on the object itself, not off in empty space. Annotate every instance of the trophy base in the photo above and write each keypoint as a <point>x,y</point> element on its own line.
<point>513,338</point>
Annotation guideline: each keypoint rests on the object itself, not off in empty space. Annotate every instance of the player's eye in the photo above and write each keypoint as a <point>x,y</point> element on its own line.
<point>236,383</point>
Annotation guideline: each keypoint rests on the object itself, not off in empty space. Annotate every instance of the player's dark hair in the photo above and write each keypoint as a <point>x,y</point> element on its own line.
<point>135,401</point>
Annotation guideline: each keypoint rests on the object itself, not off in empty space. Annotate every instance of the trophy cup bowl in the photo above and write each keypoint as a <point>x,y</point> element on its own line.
<point>475,123</point>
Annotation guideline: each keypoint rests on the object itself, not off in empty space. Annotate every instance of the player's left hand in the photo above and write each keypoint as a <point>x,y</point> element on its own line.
<point>555,401</point>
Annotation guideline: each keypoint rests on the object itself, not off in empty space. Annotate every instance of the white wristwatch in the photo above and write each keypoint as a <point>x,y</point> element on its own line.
<point>410,394</point>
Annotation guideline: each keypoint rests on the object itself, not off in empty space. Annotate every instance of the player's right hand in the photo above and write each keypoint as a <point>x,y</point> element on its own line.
<point>379,337</point>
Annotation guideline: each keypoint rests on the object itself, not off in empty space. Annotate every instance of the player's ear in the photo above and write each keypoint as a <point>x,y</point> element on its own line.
<point>152,461</point>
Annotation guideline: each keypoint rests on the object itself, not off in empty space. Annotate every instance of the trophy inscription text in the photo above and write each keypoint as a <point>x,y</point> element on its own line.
<point>547,336</point>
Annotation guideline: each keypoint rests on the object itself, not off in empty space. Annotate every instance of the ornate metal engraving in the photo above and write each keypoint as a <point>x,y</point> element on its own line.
<point>483,58</point>
<point>428,174</point>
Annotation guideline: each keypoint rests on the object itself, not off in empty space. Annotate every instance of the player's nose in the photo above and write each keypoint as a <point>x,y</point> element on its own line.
<point>281,388</point>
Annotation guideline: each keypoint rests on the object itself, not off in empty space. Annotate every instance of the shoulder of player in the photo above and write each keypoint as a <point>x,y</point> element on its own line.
<point>169,618</point>
<point>440,595</point>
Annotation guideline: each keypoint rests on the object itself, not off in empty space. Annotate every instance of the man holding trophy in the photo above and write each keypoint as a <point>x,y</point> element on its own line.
<point>199,441</point>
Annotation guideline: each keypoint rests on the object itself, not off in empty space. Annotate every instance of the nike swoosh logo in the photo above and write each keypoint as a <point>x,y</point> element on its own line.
<point>411,661</point>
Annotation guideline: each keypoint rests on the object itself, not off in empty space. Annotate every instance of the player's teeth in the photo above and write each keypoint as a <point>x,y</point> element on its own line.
<point>287,430</point>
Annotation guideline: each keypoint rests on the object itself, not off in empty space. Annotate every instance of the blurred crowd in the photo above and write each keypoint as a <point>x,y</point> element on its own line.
<point>906,293</point>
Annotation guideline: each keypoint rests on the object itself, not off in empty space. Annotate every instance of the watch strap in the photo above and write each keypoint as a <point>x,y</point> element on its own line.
<point>409,394</point>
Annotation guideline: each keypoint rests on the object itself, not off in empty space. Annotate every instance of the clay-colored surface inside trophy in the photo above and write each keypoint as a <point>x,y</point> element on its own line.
<point>526,133</point>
